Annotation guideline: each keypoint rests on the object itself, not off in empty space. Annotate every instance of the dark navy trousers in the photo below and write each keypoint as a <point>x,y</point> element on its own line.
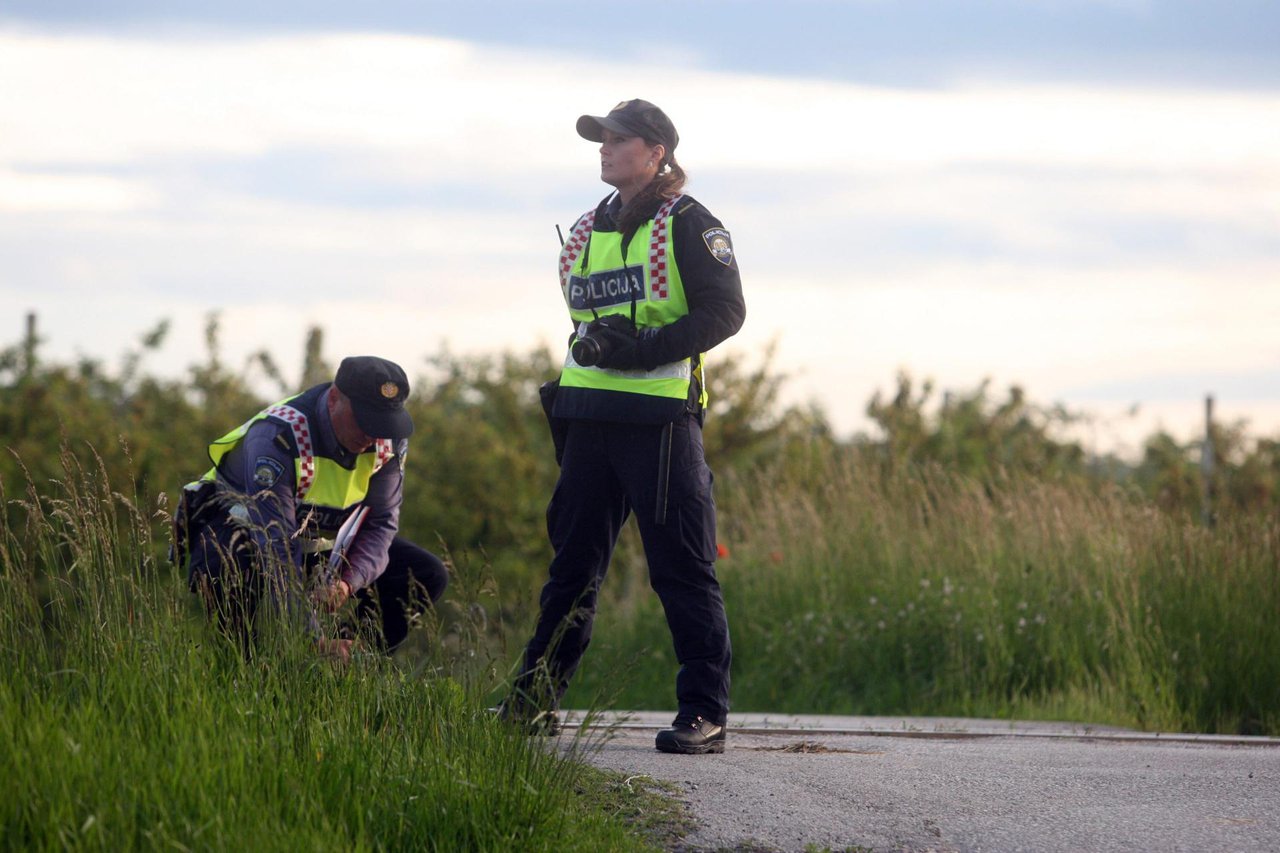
<point>226,572</point>
<point>608,471</point>
<point>414,578</point>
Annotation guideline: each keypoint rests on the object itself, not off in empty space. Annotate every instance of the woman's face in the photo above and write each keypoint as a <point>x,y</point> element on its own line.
<point>627,162</point>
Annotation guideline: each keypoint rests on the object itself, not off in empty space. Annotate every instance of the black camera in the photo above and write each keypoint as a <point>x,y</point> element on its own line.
<point>589,349</point>
<point>602,338</point>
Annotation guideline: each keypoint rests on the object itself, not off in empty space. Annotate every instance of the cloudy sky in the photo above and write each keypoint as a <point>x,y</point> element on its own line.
<point>1079,197</point>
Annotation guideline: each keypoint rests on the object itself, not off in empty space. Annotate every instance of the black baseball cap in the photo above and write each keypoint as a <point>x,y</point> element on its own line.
<point>632,118</point>
<point>377,389</point>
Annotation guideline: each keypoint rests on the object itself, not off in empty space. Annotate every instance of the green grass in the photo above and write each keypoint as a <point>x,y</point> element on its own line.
<point>127,723</point>
<point>651,807</point>
<point>918,592</point>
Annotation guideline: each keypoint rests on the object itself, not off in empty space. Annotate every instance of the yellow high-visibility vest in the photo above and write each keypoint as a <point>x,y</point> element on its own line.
<point>648,278</point>
<point>321,482</point>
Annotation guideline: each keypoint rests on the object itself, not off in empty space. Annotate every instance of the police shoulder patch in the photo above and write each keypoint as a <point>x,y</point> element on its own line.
<point>266,471</point>
<point>719,245</point>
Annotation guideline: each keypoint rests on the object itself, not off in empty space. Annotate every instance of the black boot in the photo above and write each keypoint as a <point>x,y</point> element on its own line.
<point>692,735</point>
<point>529,720</point>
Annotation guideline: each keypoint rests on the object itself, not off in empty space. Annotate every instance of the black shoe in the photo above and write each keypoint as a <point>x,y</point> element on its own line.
<point>528,720</point>
<point>691,735</point>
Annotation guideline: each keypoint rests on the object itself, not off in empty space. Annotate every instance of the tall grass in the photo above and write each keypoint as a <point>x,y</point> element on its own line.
<point>126,723</point>
<point>855,590</point>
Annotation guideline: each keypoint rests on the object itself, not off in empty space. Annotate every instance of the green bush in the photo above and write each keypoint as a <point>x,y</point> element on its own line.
<point>1083,588</point>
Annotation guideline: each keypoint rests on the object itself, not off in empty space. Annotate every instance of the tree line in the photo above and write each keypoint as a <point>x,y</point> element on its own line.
<point>481,466</point>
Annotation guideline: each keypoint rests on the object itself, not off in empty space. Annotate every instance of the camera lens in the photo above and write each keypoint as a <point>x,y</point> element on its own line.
<point>587,351</point>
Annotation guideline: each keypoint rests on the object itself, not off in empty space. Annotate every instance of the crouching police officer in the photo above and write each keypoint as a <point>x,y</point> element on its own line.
<point>262,522</point>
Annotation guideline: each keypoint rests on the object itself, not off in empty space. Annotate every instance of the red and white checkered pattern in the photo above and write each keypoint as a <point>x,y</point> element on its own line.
<point>658,249</point>
<point>385,449</point>
<point>302,437</point>
<point>574,245</point>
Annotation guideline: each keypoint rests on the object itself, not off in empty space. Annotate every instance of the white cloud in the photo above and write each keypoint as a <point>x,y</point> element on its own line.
<point>1035,190</point>
<point>110,99</point>
<point>1052,333</point>
<point>35,193</point>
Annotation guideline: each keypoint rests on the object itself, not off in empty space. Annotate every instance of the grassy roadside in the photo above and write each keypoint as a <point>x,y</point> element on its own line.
<point>126,724</point>
<point>650,807</point>
<point>851,590</point>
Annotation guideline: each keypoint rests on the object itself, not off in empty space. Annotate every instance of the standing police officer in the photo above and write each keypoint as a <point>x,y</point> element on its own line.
<point>262,520</point>
<point>651,282</point>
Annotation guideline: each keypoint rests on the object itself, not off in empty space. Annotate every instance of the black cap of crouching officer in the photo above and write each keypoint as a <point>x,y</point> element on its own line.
<point>632,118</point>
<point>377,389</point>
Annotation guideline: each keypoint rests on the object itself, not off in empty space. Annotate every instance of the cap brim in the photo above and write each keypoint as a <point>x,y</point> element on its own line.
<point>593,128</point>
<point>383,424</point>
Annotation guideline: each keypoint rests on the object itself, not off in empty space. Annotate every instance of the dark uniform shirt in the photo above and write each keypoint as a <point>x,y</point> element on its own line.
<point>262,467</point>
<point>712,287</point>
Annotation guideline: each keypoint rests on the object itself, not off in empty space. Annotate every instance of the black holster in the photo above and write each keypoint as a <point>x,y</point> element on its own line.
<point>193,501</point>
<point>559,426</point>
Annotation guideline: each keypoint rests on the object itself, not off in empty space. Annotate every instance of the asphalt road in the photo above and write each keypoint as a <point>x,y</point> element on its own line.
<point>786,783</point>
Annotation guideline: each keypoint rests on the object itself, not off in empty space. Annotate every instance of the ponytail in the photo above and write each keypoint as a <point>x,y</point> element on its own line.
<point>667,184</point>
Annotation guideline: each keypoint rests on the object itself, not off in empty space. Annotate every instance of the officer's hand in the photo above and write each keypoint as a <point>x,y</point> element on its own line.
<point>338,650</point>
<point>619,338</point>
<point>333,596</point>
<point>616,322</point>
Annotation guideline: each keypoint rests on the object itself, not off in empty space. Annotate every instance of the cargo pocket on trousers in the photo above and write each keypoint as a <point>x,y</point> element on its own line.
<point>695,513</point>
